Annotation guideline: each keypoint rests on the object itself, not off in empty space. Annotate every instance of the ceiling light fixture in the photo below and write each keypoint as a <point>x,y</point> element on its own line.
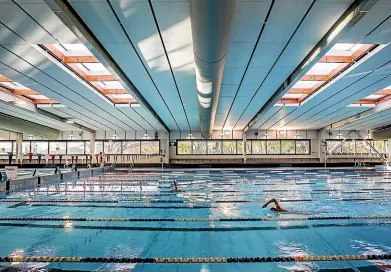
<point>69,121</point>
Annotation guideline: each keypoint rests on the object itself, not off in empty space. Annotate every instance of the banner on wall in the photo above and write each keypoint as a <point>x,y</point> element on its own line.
<point>11,172</point>
<point>10,157</point>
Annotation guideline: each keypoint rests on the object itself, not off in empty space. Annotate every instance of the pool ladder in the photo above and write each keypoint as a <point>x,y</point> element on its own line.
<point>359,164</point>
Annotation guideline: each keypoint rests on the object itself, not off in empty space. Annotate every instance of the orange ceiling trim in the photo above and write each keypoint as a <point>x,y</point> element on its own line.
<point>336,59</point>
<point>100,78</point>
<point>54,51</point>
<point>288,101</point>
<point>4,79</point>
<point>123,100</point>
<point>315,78</point>
<point>24,92</point>
<point>81,59</point>
<point>361,51</point>
<point>384,92</point>
<point>44,101</point>
<point>114,91</point>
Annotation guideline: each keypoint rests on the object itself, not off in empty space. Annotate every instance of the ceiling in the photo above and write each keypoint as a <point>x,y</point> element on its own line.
<point>151,43</point>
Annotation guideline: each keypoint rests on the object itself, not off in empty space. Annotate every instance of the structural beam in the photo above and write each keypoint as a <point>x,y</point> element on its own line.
<point>65,12</point>
<point>348,19</point>
<point>13,124</point>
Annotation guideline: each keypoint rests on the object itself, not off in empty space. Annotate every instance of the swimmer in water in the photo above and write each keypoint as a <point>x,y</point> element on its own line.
<point>176,187</point>
<point>277,207</point>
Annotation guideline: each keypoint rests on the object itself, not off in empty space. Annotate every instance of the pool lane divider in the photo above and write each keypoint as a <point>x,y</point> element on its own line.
<point>205,192</point>
<point>318,258</point>
<point>253,219</point>
<point>146,201</point>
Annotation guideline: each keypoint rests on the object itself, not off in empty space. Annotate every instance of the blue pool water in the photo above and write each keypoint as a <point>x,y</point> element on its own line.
<point>203,194</point>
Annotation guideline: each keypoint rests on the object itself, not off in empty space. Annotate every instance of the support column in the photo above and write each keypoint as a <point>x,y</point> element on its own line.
<point>244,136</point>
<point>389,149</point>
<point>18,151</point>
<point>92,144</point>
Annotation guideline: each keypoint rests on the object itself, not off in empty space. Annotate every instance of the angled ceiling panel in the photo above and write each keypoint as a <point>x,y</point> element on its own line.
<point>24,26</point>
<point>33,117</point>
<point>174,22</point>
<point>62,114</point>
<point>149,46</point>
<point>374,17</point>
<point>58,90</point>
<point>149,118</point>
<point>346,87</point>
<point>135,116</point>
<point>47,19</point>
<point>270,123</point>
<point>318,21</point>
<point>100,19</point>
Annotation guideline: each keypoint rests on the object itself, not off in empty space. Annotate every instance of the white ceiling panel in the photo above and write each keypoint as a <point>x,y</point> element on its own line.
<point>329,119</point>
<point>149,118</point>
<point>333,97</point>
<point>269,124</point>
<point>374,17</point>
<point>24,26</point>
<point>174,23</point>
<point>32,116</point>
<point>264,117</point>
<point>62,114</point>
<point>319,20</point>
<point>101,20</point>
<point>48,20</point>
<point>54,77</point>
<point>135,116</point>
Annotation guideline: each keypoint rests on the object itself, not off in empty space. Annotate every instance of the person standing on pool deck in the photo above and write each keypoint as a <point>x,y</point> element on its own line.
<point>278,208</point>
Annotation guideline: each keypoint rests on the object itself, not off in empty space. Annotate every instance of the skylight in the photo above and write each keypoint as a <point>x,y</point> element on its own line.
<point>83,63</point>
<point>339,57</point>
<point>18,91</point>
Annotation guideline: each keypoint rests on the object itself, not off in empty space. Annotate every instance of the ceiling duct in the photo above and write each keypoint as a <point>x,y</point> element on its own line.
<point>382,134</point>
<point>211,24</point>
<point>13,124</point>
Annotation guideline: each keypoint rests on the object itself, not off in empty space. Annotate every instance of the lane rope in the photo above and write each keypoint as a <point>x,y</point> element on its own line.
<point>249,219</point>
<point>318,258</point>
<point>147,201</point>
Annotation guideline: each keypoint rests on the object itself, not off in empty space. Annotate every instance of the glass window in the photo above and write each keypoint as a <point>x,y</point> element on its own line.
<point>229,147</point>
<point>57,148</point>
<point>330,145</point>
<point>259,146</point>
<point>273,147</point>
<point>248,147</point>
<point>214,147</point>
<point>98,147</point>
<point>199,147</point>
<point>240,146</point>
<point>302,147</point>
<point>287,147</point>
<point>362,147</point>
<point>75,148</point>
<point>150,147</point>
<point>5,147</point>
<point>131,147</point>
<point>184,147</point>
<point>379,146</point>
<point>26,147</point>
<point>112,147</point>
<point>348,147</point>
<point>39,147</point>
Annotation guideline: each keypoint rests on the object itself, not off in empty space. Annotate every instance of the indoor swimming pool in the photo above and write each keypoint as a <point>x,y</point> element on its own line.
<point>140,216</point>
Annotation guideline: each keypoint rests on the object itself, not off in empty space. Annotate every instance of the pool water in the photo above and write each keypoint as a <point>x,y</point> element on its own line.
<point>208,195</point>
